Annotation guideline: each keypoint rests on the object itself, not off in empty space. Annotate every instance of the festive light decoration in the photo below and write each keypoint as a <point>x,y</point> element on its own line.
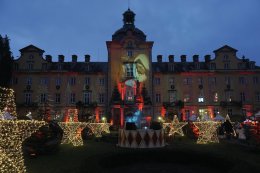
<point>7,101</point>
<point>99,128</point>
<point>12,134</point>
<point>72,132</point>
<point>176,126</point>
<point>207,132</point>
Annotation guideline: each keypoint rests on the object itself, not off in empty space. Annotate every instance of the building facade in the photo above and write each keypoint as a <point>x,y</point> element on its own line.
<point>129,87</point>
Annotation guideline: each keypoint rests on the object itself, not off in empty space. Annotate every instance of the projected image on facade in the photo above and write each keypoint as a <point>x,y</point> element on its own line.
<point>136,69</point>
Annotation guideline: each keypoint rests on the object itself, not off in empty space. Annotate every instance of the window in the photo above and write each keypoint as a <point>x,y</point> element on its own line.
<point>87,80</point>
<point>212,66</point>
<point>87,68</point>
<point>59,66</point>
<point>187,97</point>
<point>87,97</point>
<point>225,58</point>
<point>230,112</point>
<point>72,81</point>
<point>172,97</point>
<point>28,98</point>
<point>101,98</point>
<point>244,112</point>
<point>227,80</point>
<point>252,65</point>
<point>129,70</point>
<point>72,98</point>
<point>257,96</point>
<point>130,44</point>
<point>242,96</point>
<point>129,53</point>
<point>30,66</point>
<point>187,81</point>
<point>255,80</point>
<point>226,66</point>
<point>171,81</point>
<point>58,81</point>
<point>43,98</point>
<point>228,96</point>
<point>215,97</point>
<point>44,66</point>
<point>16,66</point>
<point>44,81</point>
<point>201,99</point>
<point>240,66</point>
<point>200,81</point>
<point>157,97</point>
<point>101,114</point>
<point>57,98</point>
<point>197,66</point>
<point>14,81</point>
<point>212,80</point>
<point>129,94</point>
<point>157,81</point>
<point>241,80</point>
<point>31,56</point>
<point>101,81</point>
<point>28,81</point>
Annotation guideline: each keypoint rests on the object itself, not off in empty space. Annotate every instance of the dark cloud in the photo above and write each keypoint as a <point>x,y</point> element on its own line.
<point>177,27</point>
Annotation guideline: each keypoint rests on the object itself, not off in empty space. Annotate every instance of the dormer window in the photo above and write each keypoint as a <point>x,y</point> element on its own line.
<point>226,66</point>
<point>212,66</point>
<point>31,56</point>
<point>129,44</point>
<point>225,58</point>
<point>59,66</point>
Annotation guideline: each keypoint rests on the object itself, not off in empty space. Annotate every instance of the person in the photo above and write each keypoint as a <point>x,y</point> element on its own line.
<point>241,133</point>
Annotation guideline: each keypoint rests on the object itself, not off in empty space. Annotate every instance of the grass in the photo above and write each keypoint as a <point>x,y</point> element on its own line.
<point>181,155</point>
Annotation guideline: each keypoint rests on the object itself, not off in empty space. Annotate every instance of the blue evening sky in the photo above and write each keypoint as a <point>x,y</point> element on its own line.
<point>176,26</point>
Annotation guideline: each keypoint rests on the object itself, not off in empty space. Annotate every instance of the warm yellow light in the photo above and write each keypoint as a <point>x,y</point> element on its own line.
<point>175,126</point>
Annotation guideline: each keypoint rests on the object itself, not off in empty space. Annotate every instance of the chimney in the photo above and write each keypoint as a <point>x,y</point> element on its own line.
<point>183,58</point>
<point>195,58</point>
<point>74,58</point>
<point>171,58</point>
<point>61,58</point>
<point>48,58</point>
<point>159,58</point>
<point>87,58</point>
<point>207,58</point>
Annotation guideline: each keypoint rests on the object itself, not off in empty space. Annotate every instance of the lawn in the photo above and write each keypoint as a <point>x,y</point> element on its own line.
<point>181,155</point>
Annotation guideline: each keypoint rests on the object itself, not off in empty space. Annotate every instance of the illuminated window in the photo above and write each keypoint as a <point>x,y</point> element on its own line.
<point>172,97</point>
<point>215,97</point>
<point>28,98</point>
<point>201,99</point>
<point>101,97</point>
<point>87,97</point>
<point>57,98</point>
<point>72,98</point>
<point>157,97</point>
<point>43,98</point>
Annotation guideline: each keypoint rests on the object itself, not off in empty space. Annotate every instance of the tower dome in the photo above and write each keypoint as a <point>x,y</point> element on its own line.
<point>128,20</point>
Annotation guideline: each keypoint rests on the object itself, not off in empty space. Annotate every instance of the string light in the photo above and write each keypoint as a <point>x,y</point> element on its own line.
<point>207,132</point>
<point>72,131</point>
<point>7,101</point>
<point>175,126</point>
<point>12,134</point>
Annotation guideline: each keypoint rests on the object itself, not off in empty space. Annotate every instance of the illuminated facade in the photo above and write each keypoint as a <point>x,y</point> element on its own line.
<point>130,87</point>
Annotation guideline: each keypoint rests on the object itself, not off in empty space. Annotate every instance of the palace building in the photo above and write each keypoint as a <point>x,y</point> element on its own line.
<point>129,87</point>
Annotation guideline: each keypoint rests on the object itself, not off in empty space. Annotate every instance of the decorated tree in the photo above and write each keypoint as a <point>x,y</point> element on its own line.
<point>116,97</point>
<point>6,62</point>
<point>7,101</point>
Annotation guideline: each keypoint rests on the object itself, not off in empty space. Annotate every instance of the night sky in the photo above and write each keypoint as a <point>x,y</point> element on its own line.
<point>176,26</point>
